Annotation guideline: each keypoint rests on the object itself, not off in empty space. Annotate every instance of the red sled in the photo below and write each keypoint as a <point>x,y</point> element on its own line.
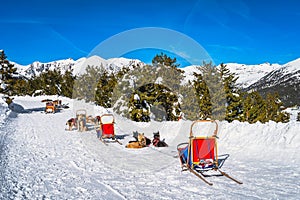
<point>200,154</point>
<point>106,130</point>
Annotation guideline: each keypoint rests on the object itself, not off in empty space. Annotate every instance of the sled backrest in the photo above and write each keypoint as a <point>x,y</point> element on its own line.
<point>50,105</point>
<point>107,129</point>
<point>107,125</point>
<point>81,112</point>
<point>203,148</point>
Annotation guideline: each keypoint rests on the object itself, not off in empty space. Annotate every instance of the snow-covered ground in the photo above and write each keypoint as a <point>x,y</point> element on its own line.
<point>39,159</point>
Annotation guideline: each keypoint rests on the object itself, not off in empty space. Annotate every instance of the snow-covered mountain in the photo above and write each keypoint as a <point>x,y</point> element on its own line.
<point>35,68</point>
<point>112,64</point>
<point>78,66</point>
<point>265,77</point>
<point>284,80</point>
<point>249,74</point>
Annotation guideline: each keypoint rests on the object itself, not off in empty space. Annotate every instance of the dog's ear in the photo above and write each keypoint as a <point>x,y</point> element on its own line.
<point>156,134</point>
<point>135,133</point>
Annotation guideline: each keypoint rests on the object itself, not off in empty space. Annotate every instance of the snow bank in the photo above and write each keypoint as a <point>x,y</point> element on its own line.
<point>4,110</point>
<point>276,141</point>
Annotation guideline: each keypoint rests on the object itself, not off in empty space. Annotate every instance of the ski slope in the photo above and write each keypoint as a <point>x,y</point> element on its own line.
<point>41,160</point>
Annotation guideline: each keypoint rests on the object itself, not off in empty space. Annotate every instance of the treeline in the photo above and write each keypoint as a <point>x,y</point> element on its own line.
<point>151,92</point>
<point>217,93</point>
<point>47,83</point>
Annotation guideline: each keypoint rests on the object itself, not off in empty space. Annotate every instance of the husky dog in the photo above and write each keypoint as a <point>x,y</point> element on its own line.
<point>82,123</point>
<point>92,120</point>
<point>71,123</point>
<point>135,135</point>
<point>157,142</point>
<point>140,143</point>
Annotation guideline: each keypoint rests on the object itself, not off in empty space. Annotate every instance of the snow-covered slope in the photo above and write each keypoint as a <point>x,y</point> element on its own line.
<point>41,160</point>
<point>249,74</point>
<point>285,80</point>
<point>287,73</point>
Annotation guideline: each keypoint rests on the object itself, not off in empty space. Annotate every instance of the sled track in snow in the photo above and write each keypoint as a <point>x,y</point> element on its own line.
<point>6,134</point>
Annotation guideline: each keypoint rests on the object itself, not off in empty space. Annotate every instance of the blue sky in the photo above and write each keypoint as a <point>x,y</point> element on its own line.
<point>249,32</point>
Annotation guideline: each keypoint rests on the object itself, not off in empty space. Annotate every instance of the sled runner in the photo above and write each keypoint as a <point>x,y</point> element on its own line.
<point>200,155</point>
<point>106,130</point>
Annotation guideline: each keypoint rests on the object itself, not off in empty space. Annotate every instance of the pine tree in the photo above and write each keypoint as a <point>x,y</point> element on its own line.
<point>273,109</point>
<point>158,99</point>
<point>233,95</point>
<point>7,75</point>
<point>67,83</point>
<point>85,86</point>
<point>157,86</point>
<point>138,109</point>
<point>22,87</point>
<point>50,82</point>
<point>128,82</point>
<point>254,108</point>
<point>189,101</point>
<point>204,99</point>
<point>163,59</point>
<point>105,88</point>
<point>213,80</point>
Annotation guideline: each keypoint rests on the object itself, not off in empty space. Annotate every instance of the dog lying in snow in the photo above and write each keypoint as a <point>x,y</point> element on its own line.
<point>135,135</point>
<point>157,142</point>
<point>71,123</point>
<point>140,143</point>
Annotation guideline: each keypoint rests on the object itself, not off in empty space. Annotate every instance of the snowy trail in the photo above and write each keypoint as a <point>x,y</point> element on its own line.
<point>43,161</point>
<point>46,163</point>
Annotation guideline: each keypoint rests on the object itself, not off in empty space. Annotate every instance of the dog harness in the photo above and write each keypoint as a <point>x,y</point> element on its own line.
<point>155,141</point>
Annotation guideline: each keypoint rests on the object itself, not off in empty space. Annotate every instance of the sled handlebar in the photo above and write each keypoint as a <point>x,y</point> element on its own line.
<point>198,121</point>
<point>81,111</point>
<point>107,115</point>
